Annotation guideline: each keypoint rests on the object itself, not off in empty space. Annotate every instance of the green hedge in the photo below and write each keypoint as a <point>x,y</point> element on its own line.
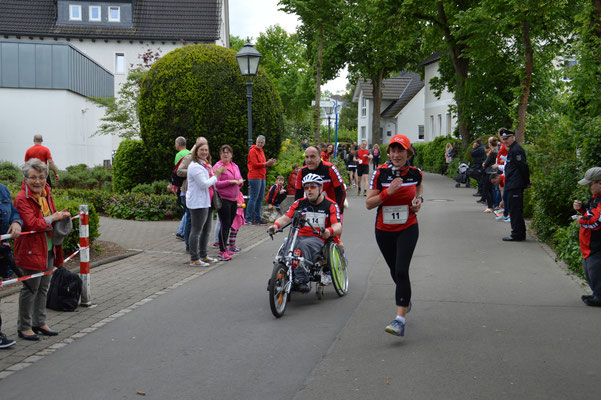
<point>198,91</point>
<point>132,166</point>
<point>71,242</point>
<point>142,207</point>
<point>10,173</point>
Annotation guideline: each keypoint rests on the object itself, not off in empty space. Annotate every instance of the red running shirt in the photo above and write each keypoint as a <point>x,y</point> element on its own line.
<point>363,157</point>
<point>400,201</point>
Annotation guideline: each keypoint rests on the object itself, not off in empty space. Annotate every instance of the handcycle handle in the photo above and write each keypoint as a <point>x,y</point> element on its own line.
<point>280,229</point>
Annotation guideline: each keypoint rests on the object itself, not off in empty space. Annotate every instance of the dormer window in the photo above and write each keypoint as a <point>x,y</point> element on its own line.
<point>95,13</point>
<point>74,12</point>
<point>114,14</point>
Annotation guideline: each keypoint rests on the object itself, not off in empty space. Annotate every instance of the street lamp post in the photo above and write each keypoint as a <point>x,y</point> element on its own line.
<point>248,60</point>
<point>328,111</point>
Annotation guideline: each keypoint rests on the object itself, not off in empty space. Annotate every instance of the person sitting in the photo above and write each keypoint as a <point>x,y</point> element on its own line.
<point>322,213</point>
<point>277,193</point>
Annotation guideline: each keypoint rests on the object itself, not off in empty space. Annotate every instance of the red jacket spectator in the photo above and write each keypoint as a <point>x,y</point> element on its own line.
<point>292,183</point>
<point>256,163</point>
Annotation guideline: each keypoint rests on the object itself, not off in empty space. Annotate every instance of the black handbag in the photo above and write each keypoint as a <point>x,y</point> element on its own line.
<point>216,201</point>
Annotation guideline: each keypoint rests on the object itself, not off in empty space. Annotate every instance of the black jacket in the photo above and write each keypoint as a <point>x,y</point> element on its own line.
<point>517,173</point>
<point>478,156</point>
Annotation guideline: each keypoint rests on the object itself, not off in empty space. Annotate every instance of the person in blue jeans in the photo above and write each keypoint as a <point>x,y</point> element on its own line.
<point>257,172</point>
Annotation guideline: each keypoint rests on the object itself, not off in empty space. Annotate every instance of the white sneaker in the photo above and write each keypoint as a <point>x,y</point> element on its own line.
<point>199,263</point>
<point>208,259</point>
<point>326,279</point>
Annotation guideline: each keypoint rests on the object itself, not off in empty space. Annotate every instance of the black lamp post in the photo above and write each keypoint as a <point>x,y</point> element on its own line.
<point>328,111</point>
<point>248,60</point>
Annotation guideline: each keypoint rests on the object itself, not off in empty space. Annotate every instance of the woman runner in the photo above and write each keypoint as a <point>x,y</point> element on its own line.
<point>396,191</point>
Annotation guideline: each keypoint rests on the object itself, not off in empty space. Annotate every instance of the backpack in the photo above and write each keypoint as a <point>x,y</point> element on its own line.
<point>176,180</point>
<point>65,290</point>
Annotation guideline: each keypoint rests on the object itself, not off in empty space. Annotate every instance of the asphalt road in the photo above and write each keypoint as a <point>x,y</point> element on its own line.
<point>490,320</point>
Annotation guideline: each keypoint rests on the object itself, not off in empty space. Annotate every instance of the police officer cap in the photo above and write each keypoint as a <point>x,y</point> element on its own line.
<point>593,174</point>
<point>505,133</point>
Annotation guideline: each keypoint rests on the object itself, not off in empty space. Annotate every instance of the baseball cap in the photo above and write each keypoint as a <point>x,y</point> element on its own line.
<point>593,174</point>
<point>505,133</point>
<point>402,140</point>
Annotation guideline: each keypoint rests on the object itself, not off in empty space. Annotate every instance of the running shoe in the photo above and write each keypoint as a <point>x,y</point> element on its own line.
<point>508,219</point>
<point>396,328</point>
<point>229,253</point>
<point>500,217</point>
<point>224,256</point>
<point>209,260</point>
<point>365,193</point>
<point>359,192</point>
<point>179,237</point>
<point>5,342</point>
<point>235,249</point>
<point>199,263</point>
<point>326,279</point>
<point>216,244</point>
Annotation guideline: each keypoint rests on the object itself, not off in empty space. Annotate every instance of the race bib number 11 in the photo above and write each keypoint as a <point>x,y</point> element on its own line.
<point>395,214</point>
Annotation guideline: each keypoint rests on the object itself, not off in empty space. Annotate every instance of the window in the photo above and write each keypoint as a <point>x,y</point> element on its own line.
<point>363,107</point>
<point>95,13</point>
<point>432,126</point>
<point>420,132</point>
<point>119,63</point>
<point>114,14</point>
<point>363,136</point>
<point>389,133</point>
<point>74,12</point>
<point>568,69</point>
<point>439,125</point>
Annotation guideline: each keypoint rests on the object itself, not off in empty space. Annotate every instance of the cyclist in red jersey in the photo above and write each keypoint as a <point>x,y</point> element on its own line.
<point>396,191</point>
<point>363,158</point>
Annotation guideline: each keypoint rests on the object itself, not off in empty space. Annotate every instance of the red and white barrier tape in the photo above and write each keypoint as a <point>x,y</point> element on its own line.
<point>7,235</point>
<point>26,277</point>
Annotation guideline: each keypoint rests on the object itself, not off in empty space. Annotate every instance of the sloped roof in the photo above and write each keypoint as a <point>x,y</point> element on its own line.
<point>400,90</point>
<point>172,20</point>
<point>433,58</point>
<point>411,89</point>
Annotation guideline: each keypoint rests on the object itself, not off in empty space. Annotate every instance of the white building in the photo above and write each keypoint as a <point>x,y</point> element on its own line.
<point>109,35</point>
<point>409,107</point>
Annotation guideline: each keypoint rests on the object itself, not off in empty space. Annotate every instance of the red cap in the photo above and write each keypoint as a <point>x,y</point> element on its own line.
<point>402,140</point>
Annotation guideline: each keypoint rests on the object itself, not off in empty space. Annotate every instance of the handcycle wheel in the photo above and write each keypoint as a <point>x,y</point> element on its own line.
<point>278,298</point>
<point>337,263</point>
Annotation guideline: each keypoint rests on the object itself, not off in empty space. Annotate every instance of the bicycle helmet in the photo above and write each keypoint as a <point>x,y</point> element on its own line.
<point>312,178</point>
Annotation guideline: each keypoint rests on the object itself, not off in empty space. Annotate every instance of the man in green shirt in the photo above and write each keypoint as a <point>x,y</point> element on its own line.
<point>182,151</point>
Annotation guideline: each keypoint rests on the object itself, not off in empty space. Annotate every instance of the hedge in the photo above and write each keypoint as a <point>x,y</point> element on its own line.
<point>198,91</point>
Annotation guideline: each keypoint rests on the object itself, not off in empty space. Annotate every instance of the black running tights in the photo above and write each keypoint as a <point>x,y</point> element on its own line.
<point>397,249</point>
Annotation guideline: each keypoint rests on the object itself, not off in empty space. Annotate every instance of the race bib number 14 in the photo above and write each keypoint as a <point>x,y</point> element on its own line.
<point>395,214</point>
<point>316,219</point>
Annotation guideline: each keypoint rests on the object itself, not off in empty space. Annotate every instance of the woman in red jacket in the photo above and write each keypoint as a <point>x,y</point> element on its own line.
<point>35,253</point>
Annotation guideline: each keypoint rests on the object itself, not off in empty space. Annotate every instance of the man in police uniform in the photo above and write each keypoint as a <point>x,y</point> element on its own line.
<point>517,178</point>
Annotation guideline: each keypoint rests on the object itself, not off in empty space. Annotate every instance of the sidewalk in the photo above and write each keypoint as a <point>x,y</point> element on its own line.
<point>117,287</point>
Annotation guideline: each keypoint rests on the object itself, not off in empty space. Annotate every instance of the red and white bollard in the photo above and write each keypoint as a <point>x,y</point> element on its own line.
<point>84,256</point>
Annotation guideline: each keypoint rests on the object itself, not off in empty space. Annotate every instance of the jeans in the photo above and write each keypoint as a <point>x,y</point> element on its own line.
<point>187,221</point>
<point>199,235</point>
<point>182,225</point>
<point>256,192</point>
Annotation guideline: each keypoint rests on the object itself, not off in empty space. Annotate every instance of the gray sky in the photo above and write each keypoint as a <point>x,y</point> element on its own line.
<point>248,18</point>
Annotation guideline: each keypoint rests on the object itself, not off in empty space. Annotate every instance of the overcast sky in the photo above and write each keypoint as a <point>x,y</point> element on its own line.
<point>248,18</point>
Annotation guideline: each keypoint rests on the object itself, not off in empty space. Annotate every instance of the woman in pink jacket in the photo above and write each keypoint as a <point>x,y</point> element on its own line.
<point>228,186</point>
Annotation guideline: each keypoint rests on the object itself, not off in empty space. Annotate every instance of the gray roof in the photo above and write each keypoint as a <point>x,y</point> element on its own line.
<point>400,90</point>
<point>167,20</point>
<point>412,88</point>
<point>433,58</point>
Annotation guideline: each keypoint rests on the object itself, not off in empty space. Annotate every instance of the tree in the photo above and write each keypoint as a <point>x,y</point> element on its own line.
<point>283,59</point>
<point>319,31</point>
<point>198,91</point>
<point>236,43</point>
<point>378,44</point>
<point>121,112</point>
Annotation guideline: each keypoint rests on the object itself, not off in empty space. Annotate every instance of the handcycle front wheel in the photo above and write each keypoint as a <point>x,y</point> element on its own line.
<point>278,298</point>
<point>337,263</point>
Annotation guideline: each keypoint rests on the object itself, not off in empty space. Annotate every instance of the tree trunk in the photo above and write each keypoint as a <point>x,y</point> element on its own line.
<point>526,82</point>
<point>317,109</point>
<point>376,83</point>
<point>461,66</point>
<point>596,17</point>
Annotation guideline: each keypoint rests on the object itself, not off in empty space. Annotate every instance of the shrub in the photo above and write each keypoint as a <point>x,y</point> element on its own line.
<point>131,165</point>
<point>71,242</point>
<point>142,207</point>
<point>145,188</point>
<point>198,91</point>
<point>10,173</point>
<point>430,156</point>
<point>567,247</point>
<point>80,176</point>
<point>290,153</point>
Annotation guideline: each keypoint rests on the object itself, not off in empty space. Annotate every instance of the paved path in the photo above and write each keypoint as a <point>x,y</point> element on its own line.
<point>491,320</point>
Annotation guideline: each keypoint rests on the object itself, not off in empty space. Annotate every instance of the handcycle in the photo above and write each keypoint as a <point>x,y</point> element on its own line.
<point>330,259</point>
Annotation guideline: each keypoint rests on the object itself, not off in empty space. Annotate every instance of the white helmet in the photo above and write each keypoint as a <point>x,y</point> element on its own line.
<point>312,178</point>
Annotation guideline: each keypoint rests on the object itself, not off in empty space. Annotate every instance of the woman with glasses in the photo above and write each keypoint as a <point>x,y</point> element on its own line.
<point>35,252</point>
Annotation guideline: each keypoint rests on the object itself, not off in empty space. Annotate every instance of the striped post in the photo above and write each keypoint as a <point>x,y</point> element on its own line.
<point>84,255</point>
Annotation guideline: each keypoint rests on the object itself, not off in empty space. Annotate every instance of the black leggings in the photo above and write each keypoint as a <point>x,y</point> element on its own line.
<point>226,213</point>
<point>397,249</point>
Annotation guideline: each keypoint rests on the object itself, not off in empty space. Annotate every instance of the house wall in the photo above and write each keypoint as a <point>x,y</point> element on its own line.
<point>364,119</point>
<point>438,119</point>
<point>65,119</point>
<point>411,117</point>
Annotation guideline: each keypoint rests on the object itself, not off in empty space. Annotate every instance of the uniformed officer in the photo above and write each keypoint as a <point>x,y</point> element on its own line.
<point>517,178</point>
